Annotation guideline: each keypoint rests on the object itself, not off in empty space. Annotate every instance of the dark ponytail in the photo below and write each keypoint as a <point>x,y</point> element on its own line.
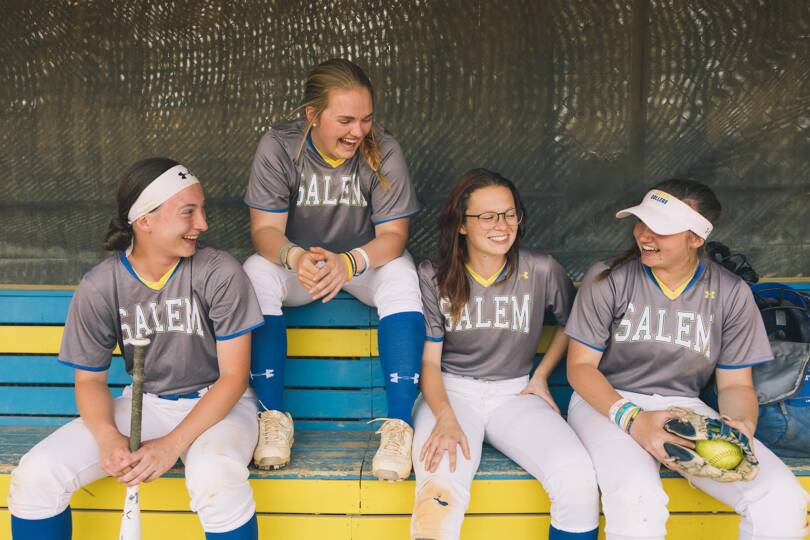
<point>129,188</point>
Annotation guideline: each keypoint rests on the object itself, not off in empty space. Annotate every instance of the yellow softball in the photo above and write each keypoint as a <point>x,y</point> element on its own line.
<point>719,453</point>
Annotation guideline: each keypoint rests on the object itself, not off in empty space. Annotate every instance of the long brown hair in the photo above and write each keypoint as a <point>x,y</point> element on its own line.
<point>340,74</point>
<point>696,194</point>
<point>452,255</point>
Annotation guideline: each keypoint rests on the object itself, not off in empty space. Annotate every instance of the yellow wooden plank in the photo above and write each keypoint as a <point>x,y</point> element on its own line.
<point>522,497</point>
<point>535,527</point>
<point>307,342</point>
<point>169,495</point>
<point>92,525</point>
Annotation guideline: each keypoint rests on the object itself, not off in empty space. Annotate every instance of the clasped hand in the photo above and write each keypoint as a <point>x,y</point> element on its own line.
<point>322,272</point>
<point>148,463</point>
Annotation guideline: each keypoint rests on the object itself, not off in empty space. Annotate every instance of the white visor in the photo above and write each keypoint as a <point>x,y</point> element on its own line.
<point>161,190</point>
<point>665,214</point>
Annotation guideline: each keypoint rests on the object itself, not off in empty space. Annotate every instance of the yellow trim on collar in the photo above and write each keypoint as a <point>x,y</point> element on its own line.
<point>488,281</point>
<point>672,294</point>
<point>334,163</point>
<point>157,285</point>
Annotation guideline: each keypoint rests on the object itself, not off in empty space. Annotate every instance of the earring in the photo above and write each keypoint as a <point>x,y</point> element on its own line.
<point>314,124</point>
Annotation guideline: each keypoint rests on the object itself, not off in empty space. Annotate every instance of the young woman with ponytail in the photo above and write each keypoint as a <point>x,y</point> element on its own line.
<point>330,202</point>
<point>484,302</point>
<point>197,308</point>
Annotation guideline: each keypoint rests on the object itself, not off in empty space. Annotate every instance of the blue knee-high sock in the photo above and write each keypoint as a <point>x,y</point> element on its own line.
<point>557,534</point>
<point>400,338</point>
<point>248,531</point>
<point>267,358</point>
<point>58,527</point>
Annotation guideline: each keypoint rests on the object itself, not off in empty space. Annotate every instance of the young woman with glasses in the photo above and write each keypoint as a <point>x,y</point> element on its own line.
<point>484,301</point>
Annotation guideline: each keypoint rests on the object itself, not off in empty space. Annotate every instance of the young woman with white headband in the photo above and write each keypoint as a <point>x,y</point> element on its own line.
<point>648,329</point>
<point>330,201</point>
<point>197,307</point>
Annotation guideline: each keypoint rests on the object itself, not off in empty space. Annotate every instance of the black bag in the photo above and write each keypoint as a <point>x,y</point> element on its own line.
<point>786,314</point>
<point>736,262</point>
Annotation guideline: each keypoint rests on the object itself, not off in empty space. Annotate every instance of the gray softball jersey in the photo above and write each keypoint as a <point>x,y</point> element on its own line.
<point>207,299</point>
<point>334,208</point>
<point>497,333</point>
<point>654,345</point>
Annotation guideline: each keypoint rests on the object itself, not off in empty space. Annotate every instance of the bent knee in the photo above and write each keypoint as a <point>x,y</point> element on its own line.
<point>780,512</point>
<point>220,492</point>
<point>574,497</point>
<point>636,507</point>
<point>37,491</point>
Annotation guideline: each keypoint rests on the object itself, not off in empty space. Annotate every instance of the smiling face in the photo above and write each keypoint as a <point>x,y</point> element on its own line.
<point>171,231</point>
<point>494,242</point>
<point>665,252</point>
<point>340,128</point>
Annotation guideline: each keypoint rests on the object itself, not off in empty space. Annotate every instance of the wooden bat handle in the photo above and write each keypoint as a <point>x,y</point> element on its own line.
<point>137,393</point>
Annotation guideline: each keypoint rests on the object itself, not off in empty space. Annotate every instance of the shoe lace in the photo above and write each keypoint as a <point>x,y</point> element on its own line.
<point>392,434</point>
<point>274,427</point>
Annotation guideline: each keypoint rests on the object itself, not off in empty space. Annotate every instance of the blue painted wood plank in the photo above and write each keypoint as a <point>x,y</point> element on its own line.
<point>300,372</point>
<point>300,424</point>
<point>33,309</point>
<point>60,401</point>
<point>331,404</point>
<point>51,307</point>
<point>47,370</point>
<point>332,373</point>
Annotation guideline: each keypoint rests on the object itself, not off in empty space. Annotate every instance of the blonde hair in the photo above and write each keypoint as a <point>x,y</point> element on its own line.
<point>340,74</point>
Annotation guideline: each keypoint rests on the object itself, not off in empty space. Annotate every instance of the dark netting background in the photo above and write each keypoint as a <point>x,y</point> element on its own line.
<point>583,103</point>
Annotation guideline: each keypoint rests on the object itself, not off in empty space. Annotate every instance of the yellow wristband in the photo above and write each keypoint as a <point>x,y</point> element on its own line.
<point>349,275</point>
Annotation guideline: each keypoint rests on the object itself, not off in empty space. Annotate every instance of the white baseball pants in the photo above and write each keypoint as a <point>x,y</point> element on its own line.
<point>216,463</point>
<point>527,430</point>
<point>773,506</point>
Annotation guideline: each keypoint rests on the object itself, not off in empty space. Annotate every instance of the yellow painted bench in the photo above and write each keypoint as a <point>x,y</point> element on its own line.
<point>333,386</point>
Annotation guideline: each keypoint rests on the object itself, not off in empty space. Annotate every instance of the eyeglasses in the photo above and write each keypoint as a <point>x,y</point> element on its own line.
<point>488,220</point>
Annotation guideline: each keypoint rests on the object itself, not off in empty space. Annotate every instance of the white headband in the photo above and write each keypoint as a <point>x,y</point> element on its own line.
<point>665,214</point>
<point>161,190</point>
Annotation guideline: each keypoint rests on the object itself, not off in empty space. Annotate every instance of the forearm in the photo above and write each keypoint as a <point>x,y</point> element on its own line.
<point>594,388</point>
<point>552,356</point>
<point>210,409</point>
<point>433,391</point>
<point>95,406</point>
<point>268,242</point>
<point>739,402</point>
<point>385,248</point>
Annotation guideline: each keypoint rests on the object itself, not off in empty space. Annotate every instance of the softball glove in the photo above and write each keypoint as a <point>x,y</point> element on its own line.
<point>696,427</point>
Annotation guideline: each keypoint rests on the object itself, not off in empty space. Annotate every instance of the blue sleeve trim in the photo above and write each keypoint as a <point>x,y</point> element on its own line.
<point>590,346</point>
<point>271,210</point>
<point>434,339</point>
<point>396,218</point>
<point>741,366</point>
<point>83,368</point>
<point>239,333</point>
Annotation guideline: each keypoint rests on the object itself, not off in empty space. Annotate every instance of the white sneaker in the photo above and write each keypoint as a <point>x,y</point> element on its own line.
<point>393,458</point>
<point>275,440</point>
